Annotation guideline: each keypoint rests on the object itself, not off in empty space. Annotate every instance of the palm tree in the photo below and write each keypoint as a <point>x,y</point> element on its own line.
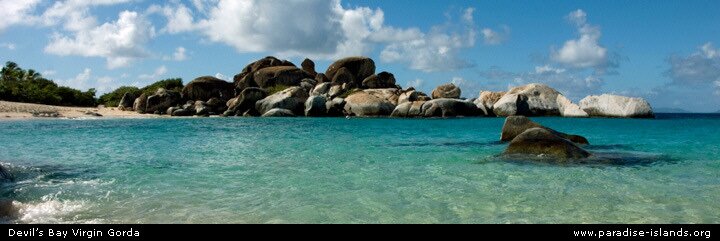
<point>11,71</point>
<point>31,74</point>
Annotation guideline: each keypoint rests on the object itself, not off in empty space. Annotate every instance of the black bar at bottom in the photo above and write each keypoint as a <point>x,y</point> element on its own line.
<point>340,232</point>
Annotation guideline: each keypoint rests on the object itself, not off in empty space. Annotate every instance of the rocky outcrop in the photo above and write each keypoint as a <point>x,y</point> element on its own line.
<point>279,75</point>
<point>343,76</point>
<point>409,109</point>
<point>316,106</point>
<point>379,81</point>
<point>358,67</point>
<point>127,102</point>
<point>207,87</point>
<point>321,89</point>
<point>292,99</point>
<point>616,106</point>
<point>245,78</point>
<point>535,100</point>
<point>516,125</point>
<point>389,94</point>
<point>162,100</point>
<point>487,100</point>
<point>545,144</point>
<point>447,91</point>
<point>437,108</point>
<point>364,104</point>
<point>336,107</point>
<point>277,112</point>
<point>140,103</point>
<point>245,101</point>
<point>309,67</point>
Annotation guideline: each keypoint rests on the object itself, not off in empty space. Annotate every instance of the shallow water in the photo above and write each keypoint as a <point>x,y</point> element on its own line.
<point>336,170</point>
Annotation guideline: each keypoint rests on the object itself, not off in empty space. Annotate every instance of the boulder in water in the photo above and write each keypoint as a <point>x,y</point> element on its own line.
<point>516,125</point>
<point>616,106</point>
<point>277,112</point>
<point>545,143</point>
<point>292,99</point>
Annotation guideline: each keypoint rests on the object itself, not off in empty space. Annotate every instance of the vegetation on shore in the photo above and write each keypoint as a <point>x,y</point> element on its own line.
<point>113,98</point>
<point>29,86</point>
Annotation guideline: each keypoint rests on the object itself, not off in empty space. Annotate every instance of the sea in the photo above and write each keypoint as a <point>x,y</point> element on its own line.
<point>357,170</point>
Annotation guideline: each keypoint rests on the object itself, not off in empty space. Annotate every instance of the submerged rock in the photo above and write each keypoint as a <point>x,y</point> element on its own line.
<point>545,143</point>
<point>616,106</point>
<point>5,175</point>
<point>516,125</point>
<point>8,209</point>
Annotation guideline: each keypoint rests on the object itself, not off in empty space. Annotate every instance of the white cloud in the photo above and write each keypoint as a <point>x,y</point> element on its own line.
<point>85,80</point>
<point>119,42</point>
<point>179,55</point>
<point>221,76</point>
<point>699,68</point>
<point>548,69</point>
<point>324,29</point>
<point>179,18</point>
<point>48,73</point>
<point>468,88</point>
<point>160,71</point>
<point>16,12</point>
<point>586,51</point>
<point>418,84</point>
<point>9,46</point>
<point>492,37</point>
<point>437,50</point>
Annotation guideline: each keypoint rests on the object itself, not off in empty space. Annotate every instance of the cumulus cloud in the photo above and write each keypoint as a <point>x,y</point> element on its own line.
<point>178,55</point>
<point>418,84</point>
<point>119,42</point>
<point>701,67</point>
<point>9,46</point>
<point>585,51</point>
<point>221,76</point>
<point>179,18</point>
<point>16,12</point>
<point>323,29</point>
<point>493,37</point>
<point>160,71</point>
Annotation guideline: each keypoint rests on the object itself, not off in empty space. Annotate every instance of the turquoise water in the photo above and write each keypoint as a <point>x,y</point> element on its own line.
<point>307,170</point>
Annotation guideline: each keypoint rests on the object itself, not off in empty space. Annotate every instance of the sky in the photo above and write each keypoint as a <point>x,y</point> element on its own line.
<point>665,51</point>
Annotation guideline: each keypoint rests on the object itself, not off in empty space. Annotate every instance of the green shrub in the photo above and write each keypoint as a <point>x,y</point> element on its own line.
<point>112,99</point>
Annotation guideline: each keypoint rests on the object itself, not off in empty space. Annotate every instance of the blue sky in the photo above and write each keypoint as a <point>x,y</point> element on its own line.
<point>665,51</point>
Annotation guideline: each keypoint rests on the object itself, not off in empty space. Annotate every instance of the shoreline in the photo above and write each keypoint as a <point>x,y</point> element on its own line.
<point>24,111</point>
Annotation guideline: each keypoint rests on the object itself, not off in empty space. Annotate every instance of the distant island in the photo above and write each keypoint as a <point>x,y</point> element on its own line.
<point>271,87</point>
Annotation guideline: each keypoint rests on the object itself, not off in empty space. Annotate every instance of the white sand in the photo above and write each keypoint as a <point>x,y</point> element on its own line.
<point>15,110</point>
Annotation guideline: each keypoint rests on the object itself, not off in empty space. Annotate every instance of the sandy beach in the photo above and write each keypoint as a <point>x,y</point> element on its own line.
<point>15,110</point>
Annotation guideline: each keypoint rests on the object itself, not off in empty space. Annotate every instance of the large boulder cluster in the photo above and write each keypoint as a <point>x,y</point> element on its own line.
<point>351,87</point>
